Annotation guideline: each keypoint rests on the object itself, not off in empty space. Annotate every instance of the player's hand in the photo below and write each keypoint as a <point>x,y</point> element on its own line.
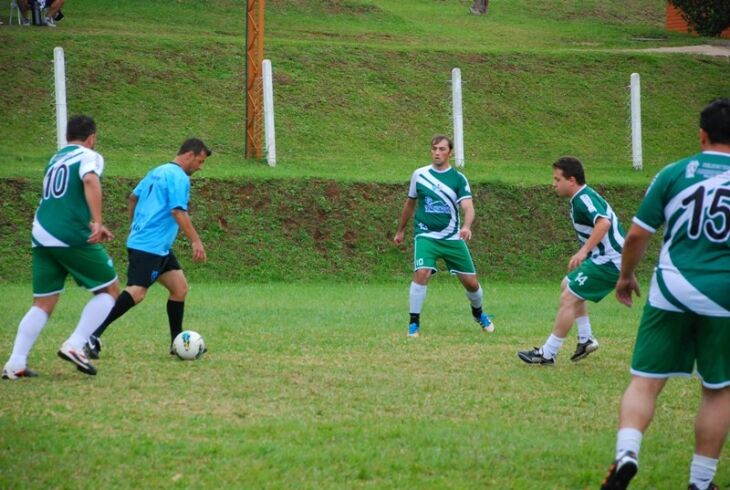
<point>398,238</point>
<point>99,233</point>
<point>465,233</point>
<point>624,288</point>
<point>199,254</point>
<point>577,260</point>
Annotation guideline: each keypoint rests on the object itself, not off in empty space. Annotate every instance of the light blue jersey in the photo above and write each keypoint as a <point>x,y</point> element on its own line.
<point>163,189</point>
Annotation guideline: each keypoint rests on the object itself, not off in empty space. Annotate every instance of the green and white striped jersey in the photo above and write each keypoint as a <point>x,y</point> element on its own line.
<point>692,197</point>
<point>586,206</point>
<point>438,194</point>
<point>63,216</point>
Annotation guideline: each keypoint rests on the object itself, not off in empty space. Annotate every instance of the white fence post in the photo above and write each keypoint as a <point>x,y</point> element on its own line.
<point>458,117</point>
<point>59,70</point>
<point>636,152</point>
<point>269,133</point>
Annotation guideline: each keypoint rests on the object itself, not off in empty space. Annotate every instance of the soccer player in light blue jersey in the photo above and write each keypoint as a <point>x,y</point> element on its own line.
<point>685,326</point>
<point>159,208</point>
<point>436,194</point>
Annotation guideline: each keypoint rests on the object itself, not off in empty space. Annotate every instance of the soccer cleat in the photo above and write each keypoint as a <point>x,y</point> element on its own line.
<point>712,486</point>
<point>48,22</point>
<point>68,353</point>
<point>583,349</point>
<point>25,22</point>
<point>535,356</point>
<point>92,347</point>
<point>621,472</point>
<point>19,373</point>
<point>484,322</point>
<point>414,330</point>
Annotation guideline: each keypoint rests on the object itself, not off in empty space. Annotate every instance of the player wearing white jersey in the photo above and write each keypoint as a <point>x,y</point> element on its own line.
<point>436,193</point>
<point>686,321</point>
<point>67,231</point>
<point>593,269</point>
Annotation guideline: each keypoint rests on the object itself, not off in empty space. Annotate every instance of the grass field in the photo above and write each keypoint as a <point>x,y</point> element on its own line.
<point>310,381</point>
<point>362,85</point>
<point>316,386</point>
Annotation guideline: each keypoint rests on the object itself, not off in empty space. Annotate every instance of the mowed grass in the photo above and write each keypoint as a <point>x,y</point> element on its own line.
<point>317,386</point>
<point>362,85</point>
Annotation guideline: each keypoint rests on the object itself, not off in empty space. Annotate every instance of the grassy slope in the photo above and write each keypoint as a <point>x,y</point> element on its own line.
<point>362,85</point>
<point>341,231</point>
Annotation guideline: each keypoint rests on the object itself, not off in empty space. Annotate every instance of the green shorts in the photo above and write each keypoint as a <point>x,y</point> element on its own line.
<point>89,265</point>
<point>591,281</point>
<point>670,343</point>
<point>455,253</point>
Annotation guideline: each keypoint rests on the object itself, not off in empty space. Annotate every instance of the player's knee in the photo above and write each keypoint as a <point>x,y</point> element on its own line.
<point>112,290</point>
<point>568,299</point>
<point>180,291</point>
<point>137,294</point>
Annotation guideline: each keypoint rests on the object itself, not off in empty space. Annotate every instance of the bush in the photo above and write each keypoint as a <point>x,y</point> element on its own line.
<point>707,17</point>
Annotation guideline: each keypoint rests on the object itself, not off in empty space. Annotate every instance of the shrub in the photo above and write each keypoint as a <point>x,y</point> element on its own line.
<point>707,17</point>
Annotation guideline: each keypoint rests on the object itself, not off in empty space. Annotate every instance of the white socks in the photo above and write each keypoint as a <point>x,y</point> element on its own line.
<point>702,471</point>
<point>476,297</point>
<point>95,311</point>
<point>584,329</point>
<point>417,297</point>
<point>552,346</point>
<point>628,439</point>
<point>28,330</point>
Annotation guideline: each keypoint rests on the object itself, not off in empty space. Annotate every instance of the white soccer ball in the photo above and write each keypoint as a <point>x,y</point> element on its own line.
<point>188,345</point>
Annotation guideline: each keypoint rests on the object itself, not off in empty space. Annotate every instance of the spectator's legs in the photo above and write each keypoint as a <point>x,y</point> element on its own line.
<point>23,6</point>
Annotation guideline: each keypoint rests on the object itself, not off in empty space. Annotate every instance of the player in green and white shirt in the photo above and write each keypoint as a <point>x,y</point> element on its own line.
<point>436,194</point>
<point>67,229</point>
<point>686,321</point>
<point>593,269</point>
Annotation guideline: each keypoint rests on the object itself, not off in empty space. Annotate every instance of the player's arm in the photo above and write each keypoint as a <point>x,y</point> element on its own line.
<point>132,200</point>
<point>186,225</point>
<point>409,207</point>
<point>637,240</point>
<point>92,192</point>
<point>600,228</point>
<point>467,205</point>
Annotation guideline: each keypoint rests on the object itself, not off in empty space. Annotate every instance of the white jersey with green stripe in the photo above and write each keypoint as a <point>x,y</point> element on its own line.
<point>438,194</point>
<point>586,206</point>
<point>63,216</point>
<point>691,198</point>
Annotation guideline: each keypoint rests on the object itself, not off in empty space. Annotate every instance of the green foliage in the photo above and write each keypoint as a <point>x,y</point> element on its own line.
<point>316,386</point>
<point>707,17</point>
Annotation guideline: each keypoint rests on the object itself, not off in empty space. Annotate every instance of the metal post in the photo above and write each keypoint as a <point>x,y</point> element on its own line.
<point>254,57</point>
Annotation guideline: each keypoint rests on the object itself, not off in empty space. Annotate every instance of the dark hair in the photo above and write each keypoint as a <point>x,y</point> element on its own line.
<point>571,167</point>
<point>441,137</point>
<point>195,145</point>
<point>715,120</point>
<point>79,128</point>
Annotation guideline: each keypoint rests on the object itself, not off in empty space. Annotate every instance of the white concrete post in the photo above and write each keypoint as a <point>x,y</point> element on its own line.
<point>636,122</point>
<point>458,117</point>
<point>269,132</point>
<point>59,70</point>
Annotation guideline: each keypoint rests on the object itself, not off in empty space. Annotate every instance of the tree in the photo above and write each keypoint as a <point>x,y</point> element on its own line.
<point>707,17</point>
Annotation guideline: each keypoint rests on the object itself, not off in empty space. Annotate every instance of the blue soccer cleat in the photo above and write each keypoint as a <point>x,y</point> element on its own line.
<point>414,330</point>
<point>484,322</point>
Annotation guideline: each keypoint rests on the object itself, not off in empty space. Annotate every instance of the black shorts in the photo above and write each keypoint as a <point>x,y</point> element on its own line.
<point>144,267</point>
